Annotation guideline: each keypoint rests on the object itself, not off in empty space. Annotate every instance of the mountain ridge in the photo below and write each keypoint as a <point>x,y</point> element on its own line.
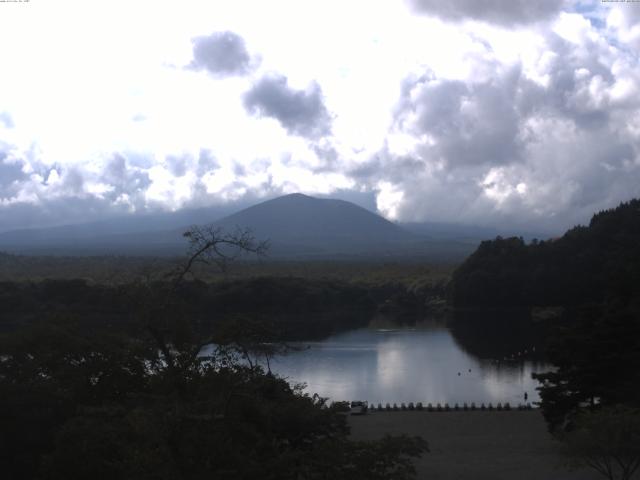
<point>297,226</point>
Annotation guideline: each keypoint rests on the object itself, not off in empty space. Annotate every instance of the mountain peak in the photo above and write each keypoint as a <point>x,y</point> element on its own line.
<point>291,197</point>
<point>297,226</point>
<point>297,195</point>
<point>297,219</point>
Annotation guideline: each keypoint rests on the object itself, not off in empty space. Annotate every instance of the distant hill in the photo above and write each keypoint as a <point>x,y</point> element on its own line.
<point>588,264</point>
<point>300,226</point>
<point>468,233</point>
<point>298,223</point>
<point>110,235</point>
<point>297,226</point>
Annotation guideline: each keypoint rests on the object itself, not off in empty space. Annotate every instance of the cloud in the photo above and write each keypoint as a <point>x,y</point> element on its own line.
<point>11,174</point>
<point>6,120</point>
<point>221,53</point>
<point>624,20</point>
<point>538,145</point>
<point>536,125</point>
<point>300,112</point>
<point>505,13</point>
<point>207,162</point>
<point>465,123</point>
<point>35,194</point>
<point>177,165</point>
<point>121,178</point>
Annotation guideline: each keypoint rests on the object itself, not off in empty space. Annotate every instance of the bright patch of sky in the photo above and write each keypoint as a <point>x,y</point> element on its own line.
<point>521,113</point>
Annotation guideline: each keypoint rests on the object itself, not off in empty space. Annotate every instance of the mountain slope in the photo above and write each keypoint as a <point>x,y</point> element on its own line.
<point>104,232</point>
<point>298,217</point>
<point>296,225</point>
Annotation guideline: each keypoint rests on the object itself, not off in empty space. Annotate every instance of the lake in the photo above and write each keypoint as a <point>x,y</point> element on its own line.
<point>418,364</point>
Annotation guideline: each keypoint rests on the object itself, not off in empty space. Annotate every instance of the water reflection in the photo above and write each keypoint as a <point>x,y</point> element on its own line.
<point>424,364</point>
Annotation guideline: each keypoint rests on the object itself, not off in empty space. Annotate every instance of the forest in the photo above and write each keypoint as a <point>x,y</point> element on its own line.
<point>107,366</point>
<point>585,288</point>
<point>588,264</point>
<point>114,375</point>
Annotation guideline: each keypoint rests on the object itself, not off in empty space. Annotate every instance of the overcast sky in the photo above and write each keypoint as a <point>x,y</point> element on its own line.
<point>490,112</point>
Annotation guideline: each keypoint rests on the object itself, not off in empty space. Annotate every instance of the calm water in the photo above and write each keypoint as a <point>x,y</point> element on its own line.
<point>405,365</point>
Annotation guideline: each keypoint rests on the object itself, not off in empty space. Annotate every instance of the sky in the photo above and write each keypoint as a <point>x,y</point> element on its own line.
<point>484,112</point>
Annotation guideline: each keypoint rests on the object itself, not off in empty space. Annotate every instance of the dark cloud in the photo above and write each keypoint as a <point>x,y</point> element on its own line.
<point>467,123</point>
<point>501,148</point>
<point>73,181</point>
<point>11,175</point>
<point>502,12</point>
<point>221,53</point>
<point>207,162</point>
<point>124,180</point>
<point>300,112</point>
<point>571,72</point>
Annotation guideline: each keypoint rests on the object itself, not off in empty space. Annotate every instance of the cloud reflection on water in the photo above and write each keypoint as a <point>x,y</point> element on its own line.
<point>406,365</point>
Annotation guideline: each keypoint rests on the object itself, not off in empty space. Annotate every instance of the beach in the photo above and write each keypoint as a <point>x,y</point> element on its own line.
<point>478,445</point>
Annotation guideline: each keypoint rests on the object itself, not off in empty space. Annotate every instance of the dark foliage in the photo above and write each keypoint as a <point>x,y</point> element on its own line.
<point>498,333</point>
<point>593,273</point>
<point>106,405</point>
<point>606,440</point>
<point>586,265</point>
<point>136,398</point>
<point>298,307</point>
<point>596,350</point>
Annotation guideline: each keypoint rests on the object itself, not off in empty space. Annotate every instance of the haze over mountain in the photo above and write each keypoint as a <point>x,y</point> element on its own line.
<point>296,225</point>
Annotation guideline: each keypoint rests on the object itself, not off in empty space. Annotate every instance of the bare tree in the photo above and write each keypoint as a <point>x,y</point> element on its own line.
<point>606,440</point>
<point>210,245</point>
<point>207,245</point>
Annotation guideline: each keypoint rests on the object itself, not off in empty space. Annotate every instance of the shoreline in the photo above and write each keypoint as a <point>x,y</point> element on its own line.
<point>475,445</point>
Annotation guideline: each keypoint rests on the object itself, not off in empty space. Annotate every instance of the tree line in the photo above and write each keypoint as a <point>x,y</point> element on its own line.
<point>591,275</point>
<point>141,400</point>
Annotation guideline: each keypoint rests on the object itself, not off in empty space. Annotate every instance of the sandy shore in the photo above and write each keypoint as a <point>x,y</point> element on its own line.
<point>477,445</point>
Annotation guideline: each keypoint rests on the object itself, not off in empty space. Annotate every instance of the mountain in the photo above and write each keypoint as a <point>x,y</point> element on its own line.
<point>298,219</point>
<point>114,235</point>
<point>296,225</point>
<point>300,226</point>
<point>122,224</point>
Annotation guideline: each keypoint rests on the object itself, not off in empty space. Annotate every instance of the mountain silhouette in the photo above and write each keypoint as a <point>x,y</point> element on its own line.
<point>316,222</point>
<point>296,226</point>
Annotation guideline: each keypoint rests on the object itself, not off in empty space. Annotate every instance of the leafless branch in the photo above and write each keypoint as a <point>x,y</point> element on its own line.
<point>208,245</point>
